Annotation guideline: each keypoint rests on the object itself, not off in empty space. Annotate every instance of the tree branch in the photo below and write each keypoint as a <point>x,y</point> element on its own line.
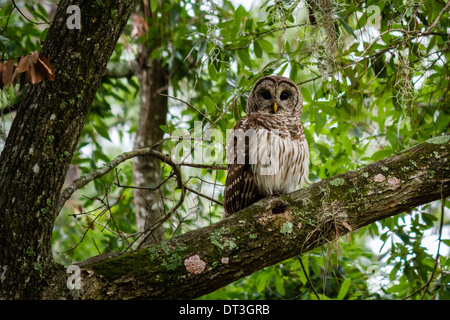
<point>273,229</point>
<point>94,174</point>
<point>446,8</point>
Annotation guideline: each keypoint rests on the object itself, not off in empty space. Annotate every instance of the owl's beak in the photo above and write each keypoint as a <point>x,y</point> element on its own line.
<point>275,107</point>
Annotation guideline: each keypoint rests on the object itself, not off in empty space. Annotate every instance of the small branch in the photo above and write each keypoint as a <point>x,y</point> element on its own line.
<point>7,21</point>
<point>307,278</point>
<point>427,284</point>
<point>203,195</point>
<point>203,166</point>
<point>166,216</point>
<point>15,6</point>
<point>117,184</point>
<point>438,17</point>
<point>189,105</point>
<point>261,35</point>
<point>94,174</point>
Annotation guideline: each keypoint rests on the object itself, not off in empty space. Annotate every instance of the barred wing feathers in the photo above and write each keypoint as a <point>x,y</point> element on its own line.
<point>240,186</point>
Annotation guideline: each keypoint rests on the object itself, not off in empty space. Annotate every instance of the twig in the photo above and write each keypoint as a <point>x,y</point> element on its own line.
<point>180,186</point>
<point>307,278</point>
<point>438,17</point>
<point>94,174</point>
<point>189,105</point>
<point>265,33</point>
<point>427,284</point>
<point>441,224</point>
<point>15,5</point>
<point>203,195</point>
<point>117,184</point>
<point>7,21</point>
<point>203,166</point>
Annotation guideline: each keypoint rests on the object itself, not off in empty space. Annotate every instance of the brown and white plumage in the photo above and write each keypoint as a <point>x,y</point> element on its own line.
<point>267,152</point>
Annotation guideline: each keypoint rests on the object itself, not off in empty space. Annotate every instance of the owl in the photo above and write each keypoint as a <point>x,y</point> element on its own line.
<point>267,151</point>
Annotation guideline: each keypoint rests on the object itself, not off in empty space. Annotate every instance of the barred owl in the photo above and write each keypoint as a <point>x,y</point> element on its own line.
<point>267,152</point>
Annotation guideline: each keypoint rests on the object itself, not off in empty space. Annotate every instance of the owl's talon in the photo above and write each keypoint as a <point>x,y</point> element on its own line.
<point>276,194</point>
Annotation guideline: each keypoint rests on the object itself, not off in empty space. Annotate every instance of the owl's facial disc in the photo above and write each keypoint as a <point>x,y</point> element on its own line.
<point>275,95</point>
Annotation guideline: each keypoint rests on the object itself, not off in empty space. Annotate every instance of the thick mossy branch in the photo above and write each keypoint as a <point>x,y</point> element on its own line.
<point>273,229</point>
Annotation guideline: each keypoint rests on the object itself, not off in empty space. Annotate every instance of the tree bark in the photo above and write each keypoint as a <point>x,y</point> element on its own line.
<point>42,140</point>
<point>154,83</point>
<point>273,229</point>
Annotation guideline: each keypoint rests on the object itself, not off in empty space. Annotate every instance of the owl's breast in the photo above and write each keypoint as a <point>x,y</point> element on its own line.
<point>279,159</point>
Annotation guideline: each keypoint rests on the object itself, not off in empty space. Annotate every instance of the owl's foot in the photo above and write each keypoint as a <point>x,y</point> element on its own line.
<point>276,194</point>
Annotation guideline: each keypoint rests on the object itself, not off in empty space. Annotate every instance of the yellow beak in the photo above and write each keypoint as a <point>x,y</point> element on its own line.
<point>275,107</point>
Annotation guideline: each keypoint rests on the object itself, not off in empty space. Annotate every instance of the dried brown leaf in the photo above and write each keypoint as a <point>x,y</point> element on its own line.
<point>34,56</point>
<point>138,26</point>
<point>23,63</point>
<point>45,68</point>
<point>345,224</point>
<point>7,74</point>
<point>34,76</point>
<point>23,80</point>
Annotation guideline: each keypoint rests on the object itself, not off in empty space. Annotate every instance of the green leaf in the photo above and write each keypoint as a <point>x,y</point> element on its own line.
<point>348,28</point>
<point>398,288</point>
<point>381,154</point>
<point>164,128</point>
<point>279,286</point>
<point>40,16</point>
<point>3,39</point>
<point>303,278</point>
<point>261,281</point>
<point>100,155</point>
<point>212,72</point>
<point>320,122</point>
<point>324,151</point>
<point>257,49</point>
<point>344,289</point>
<point>210,106</point>
<point>245,57</point>
<point>306,95</point>
<point>428,218</point>
<point>103,131</point>
<point>446,241</point>
<point>249,25</point>
<point>293,73</point>
<point>153,5</point>
<point>347,145</point>
<point>265,45</point>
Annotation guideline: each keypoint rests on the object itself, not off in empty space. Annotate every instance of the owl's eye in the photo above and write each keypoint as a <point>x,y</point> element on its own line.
<point>266,95</point>
<point>284,95</point>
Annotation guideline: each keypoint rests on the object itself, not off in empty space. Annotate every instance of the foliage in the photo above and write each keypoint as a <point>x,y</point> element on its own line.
<point>374,78</point>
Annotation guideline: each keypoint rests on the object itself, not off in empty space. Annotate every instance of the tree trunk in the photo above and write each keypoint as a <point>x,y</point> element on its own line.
<point>42,140</point>
<point>273,229</point>
<point>153,81</point>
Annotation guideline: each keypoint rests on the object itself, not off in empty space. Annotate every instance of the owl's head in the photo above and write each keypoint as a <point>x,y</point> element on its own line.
<point>275,95</point>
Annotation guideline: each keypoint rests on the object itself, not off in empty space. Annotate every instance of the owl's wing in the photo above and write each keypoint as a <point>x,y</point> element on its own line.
<point>240,186</point>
